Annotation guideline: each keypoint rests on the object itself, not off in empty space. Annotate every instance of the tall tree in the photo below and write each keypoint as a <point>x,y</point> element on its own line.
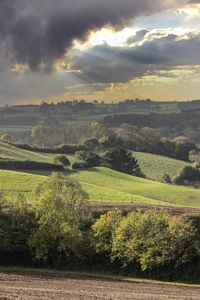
<point>60,206</point>
<point>122,160</point>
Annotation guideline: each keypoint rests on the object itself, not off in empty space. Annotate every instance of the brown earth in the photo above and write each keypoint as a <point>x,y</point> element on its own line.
<point>175,210</point>
<point>44,285</point>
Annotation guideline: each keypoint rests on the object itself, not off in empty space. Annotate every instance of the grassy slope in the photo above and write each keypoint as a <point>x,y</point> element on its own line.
<point>19,181</point>
<point>12,152</point>
<point>154,166</point>
<point>106,185</point>
<point>109,186</point>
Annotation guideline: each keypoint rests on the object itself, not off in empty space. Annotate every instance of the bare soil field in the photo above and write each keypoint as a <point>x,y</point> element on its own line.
<point>45,285</point>
<point>174,210</point>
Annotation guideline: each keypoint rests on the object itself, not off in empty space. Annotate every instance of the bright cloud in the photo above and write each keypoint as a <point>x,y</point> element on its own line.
<point>104,49</point>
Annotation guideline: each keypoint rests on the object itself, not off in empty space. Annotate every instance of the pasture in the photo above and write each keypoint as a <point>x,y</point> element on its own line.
<point>10,152</point>
<point>154,166</point>
<point>105,185</point>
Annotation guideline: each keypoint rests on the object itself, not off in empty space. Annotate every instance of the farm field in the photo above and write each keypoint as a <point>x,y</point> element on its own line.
<point>105,185</point>
<point>19,181</point>
<point>154,166</point>
<point>14,153</point>
<point>51,285</point>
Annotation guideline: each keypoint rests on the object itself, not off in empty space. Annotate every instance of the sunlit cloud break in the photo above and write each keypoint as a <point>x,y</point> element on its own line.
<point>89,48</point>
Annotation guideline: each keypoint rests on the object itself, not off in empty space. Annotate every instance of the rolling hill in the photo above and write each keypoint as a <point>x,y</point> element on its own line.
<point>154,166</point>
<point>11,152</point>
<point>105,185</point>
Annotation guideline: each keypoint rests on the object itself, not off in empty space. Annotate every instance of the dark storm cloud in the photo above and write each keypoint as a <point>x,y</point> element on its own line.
<point>29,87</point>
<point>121,64</point>
<point>40,31</point>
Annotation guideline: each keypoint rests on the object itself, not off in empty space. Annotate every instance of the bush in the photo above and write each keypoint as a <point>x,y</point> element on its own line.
<point>16,225</point>
<point>79,165</point>
<point>69,149</point>
<point>63,160</point>
<point>154,239</point>
<point>166,178</point>
<point>187,175</point>
<point>91,159</point>
<point>104,229</point>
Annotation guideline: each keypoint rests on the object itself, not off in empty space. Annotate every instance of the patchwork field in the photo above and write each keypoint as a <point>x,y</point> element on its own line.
<point>49,285</point>
<point>105,185</point>
<point>153,166</point>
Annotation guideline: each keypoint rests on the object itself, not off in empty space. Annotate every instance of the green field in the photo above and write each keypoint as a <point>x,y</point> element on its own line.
<point>105,185</point>
<point>154,166</point>
<point>110,186</point>
<point>13,153</point>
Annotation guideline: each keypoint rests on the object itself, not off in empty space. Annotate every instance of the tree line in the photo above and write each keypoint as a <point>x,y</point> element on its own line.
<point>58,230</point>
<point>95,135</point>
<point>167,124</point>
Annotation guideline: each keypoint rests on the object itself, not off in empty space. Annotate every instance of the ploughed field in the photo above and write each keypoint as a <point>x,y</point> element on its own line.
<point>45,285</point>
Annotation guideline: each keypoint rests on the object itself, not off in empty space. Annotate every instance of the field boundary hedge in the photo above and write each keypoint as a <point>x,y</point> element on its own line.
<point>62,149</point>
<point>29,165</point>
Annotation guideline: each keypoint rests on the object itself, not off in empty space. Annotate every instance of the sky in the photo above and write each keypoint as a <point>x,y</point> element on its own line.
<point>105,50</point>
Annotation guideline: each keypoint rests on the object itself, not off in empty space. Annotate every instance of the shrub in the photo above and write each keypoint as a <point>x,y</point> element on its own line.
<point>187,175</point>
<point>16,225</point>
<point>69,149</point>
<point>79,165</point>
<point>166,178</point>
<point>155,239</point>
<point>63,160</point>
<point>104,230</point>
<point>194,156</point>
<point>91,159</point>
